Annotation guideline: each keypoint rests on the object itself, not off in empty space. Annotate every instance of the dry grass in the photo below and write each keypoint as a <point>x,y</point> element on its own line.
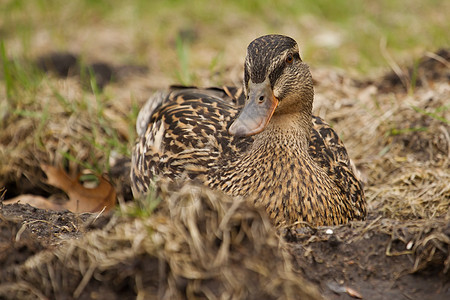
<point>400,141</point>
<point>66,126</point>
<point>199,244</point>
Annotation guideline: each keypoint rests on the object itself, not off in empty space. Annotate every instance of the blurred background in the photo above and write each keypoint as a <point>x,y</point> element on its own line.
<point>201,42</point>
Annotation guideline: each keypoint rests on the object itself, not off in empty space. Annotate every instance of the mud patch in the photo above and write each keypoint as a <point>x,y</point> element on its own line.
<point>26,230</point>
<point>380,259</point>
<point>430,68</point>
<point>64,64</point>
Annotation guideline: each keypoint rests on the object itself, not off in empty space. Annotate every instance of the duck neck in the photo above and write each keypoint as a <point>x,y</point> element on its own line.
<point>291,130</point>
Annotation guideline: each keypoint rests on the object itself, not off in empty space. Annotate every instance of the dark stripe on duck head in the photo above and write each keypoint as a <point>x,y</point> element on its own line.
<point>263,52</point>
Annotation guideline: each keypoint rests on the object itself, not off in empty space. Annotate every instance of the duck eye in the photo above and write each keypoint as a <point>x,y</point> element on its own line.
<point>289,59</point>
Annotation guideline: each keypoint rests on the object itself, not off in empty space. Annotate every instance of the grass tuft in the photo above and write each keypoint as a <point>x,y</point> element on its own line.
<point>144,206</point>
<point>184,75</point>
<point>7,76</point>
<point>434,114</point>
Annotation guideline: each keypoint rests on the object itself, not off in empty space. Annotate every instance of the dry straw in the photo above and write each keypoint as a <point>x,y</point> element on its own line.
<point>198,244</point>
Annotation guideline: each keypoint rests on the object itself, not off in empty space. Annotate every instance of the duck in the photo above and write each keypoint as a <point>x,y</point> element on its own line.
<point>259,141</point>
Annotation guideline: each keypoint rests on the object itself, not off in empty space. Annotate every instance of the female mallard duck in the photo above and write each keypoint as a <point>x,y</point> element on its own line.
<point>275,151</point>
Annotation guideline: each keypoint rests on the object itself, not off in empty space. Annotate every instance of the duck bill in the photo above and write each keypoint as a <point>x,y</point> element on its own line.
<point>257,112</point>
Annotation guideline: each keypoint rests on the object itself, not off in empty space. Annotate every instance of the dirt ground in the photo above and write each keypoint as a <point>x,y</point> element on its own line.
<point>397,131</point>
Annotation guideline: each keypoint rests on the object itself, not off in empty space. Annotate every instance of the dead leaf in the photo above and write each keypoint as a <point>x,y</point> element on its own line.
<point>81,198</point>
<point>353,293</point>
<point>34,200</point>
<point>339,288</point>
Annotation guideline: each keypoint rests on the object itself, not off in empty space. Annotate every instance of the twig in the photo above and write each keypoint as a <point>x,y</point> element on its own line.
<point>438,58</point>
<point>394,66</point>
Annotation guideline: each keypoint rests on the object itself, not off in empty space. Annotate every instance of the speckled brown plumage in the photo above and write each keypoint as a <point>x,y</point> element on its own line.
<point>261,141</point>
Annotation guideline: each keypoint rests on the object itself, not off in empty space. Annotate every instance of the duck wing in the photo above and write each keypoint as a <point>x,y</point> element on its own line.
<point>231,95</point>
<point>184,132</point>
<point>328,150</point>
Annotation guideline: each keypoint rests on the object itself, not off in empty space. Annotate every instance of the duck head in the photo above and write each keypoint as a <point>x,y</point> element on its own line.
<point>276,82</point>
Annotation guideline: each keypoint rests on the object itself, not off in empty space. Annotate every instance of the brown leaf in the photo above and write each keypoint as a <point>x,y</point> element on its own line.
<point>34,200</point>
<point>353,293</point>
<point>81,198</point>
